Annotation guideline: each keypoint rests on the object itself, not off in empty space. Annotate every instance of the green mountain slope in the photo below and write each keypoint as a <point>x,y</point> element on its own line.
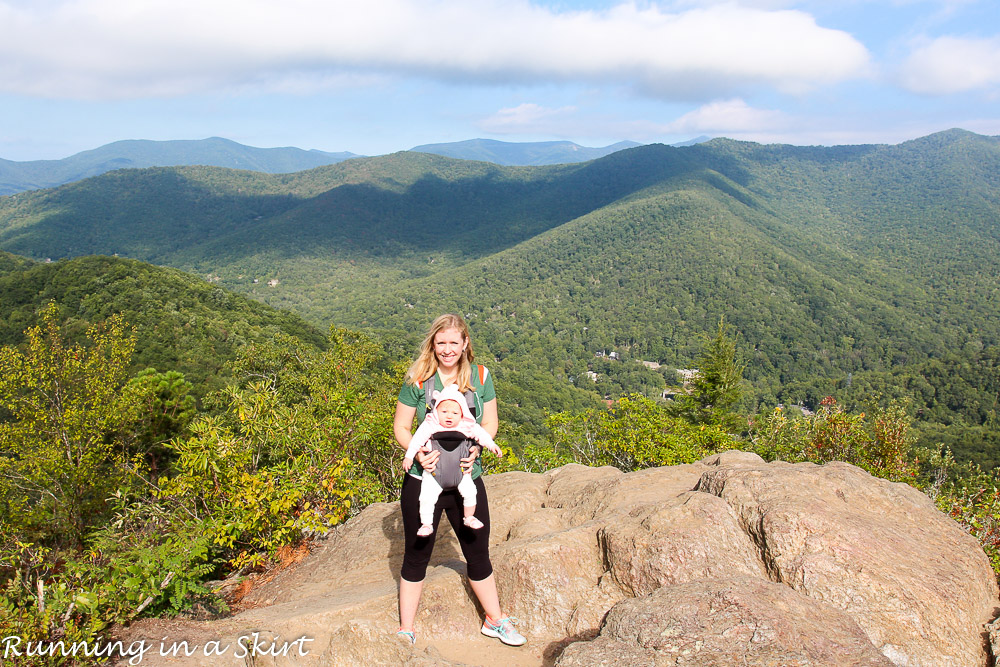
<point>182,322</point>
<point>844,269</point>
<point>396,206</point>
<point>646,276</point>
<point>9,262</point>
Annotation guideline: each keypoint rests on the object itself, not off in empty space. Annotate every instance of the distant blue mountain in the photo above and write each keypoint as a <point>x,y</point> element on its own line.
<point>691,142</point>
<point>526,154</point>
<point>529,154</point>
<point>215,152</point>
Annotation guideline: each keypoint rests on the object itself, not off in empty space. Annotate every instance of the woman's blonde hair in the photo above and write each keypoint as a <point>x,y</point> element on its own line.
<point>426,363</point>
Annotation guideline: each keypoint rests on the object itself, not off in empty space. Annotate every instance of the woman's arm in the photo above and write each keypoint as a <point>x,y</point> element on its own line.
<point>402,422</point>
<point>491,422</point>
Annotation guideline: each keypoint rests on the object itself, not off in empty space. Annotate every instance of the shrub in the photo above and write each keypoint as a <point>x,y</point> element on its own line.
<point>879,441</point>
<point>636,432</point>
<point>64,445</point>
<point>967,494</point>
<point>303,438</point>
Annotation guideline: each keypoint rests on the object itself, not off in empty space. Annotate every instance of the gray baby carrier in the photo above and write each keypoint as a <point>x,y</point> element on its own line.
<point>453,445</point>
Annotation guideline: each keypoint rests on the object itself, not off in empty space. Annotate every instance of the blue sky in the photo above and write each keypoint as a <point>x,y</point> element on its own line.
<point>387,75</point>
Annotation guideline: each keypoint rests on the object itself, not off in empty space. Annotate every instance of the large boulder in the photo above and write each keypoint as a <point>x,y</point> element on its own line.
<point>738,621</point>
<point>917,584</point>
<point>727,561</point>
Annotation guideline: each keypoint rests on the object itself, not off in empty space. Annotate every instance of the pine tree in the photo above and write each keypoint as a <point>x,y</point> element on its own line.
<point>717,387</point>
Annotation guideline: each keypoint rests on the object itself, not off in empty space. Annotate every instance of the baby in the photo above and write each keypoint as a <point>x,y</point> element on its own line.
<point>451,413</point>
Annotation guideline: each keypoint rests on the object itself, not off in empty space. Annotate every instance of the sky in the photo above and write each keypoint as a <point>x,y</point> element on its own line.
<point>380,76</point>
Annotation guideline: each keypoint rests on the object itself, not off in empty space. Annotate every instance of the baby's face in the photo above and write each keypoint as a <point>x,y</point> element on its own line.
<point>449,413</point>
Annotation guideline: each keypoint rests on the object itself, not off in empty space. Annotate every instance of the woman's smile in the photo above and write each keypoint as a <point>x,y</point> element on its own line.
<point>449,344</point>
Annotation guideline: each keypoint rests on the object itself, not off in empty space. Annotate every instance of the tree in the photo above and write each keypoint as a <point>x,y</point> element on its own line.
<point>168,407</point>
<point>880,440</point>
<point>634,433</point>
<point>63,448</point>
<point>717,386</point>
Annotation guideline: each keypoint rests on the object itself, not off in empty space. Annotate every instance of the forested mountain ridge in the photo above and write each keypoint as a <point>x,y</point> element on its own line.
<point>19,176</point>
<point>215,151</point>
<point>407,199</point>
<point>860,274</point>
<point>182,323</point>
<point>845,270</point>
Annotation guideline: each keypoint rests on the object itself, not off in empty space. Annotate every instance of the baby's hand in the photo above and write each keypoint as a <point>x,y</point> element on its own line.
<point>467,463</point>
<point>407,463</point>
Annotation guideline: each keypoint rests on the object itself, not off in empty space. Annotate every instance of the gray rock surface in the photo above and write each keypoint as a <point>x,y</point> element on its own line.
<point>726,561</point>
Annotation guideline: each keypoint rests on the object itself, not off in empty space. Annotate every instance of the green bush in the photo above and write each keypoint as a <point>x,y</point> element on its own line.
<point>635,432</point>
<point>880,441</point>
<point>120,502</point>
<point>305,439</point>
<point>967,494</point>
<point>64,447</point>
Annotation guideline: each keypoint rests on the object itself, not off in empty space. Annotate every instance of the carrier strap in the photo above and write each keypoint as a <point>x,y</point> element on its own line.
<point>430,383</point>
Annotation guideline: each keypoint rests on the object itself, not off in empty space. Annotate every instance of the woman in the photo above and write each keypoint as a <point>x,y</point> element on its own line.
<point>446,358</point>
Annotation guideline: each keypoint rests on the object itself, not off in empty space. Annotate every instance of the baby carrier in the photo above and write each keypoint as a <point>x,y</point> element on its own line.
<point>453,445</point>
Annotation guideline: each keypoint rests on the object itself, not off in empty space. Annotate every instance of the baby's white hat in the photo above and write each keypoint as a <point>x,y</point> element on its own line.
<point>451,393</point>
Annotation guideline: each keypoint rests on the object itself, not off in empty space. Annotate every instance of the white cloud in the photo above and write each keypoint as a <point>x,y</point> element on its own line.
<point>755,4</point>
<point>113,49</point>
<point>729,117</point>
<point>527,118</point>
<point>952,65</point>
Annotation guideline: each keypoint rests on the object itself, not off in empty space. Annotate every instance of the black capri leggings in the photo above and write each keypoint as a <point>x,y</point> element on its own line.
<point>475,543</point>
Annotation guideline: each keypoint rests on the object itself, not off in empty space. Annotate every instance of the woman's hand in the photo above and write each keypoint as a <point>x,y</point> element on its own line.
<point>428,460</point>
<point>468,462</point>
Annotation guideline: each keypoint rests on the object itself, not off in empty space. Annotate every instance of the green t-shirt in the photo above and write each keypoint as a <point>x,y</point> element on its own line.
<point>415,397</point>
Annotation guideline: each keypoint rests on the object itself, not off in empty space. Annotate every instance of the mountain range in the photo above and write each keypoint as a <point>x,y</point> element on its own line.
<point>30,175</point>
<point>524,154</point>
<point>852,271</point>
<point>217,152</point>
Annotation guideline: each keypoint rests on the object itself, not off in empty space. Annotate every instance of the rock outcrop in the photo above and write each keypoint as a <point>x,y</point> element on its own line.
<point>727,561</point>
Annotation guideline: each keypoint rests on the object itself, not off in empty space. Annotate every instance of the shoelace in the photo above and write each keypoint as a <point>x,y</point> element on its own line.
<point>500,624</point>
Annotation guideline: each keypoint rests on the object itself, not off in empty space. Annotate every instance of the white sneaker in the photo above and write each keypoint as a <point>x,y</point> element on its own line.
<point>504,631</point>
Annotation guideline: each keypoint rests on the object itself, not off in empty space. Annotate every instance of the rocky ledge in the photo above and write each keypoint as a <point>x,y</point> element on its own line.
<point>728,561</point>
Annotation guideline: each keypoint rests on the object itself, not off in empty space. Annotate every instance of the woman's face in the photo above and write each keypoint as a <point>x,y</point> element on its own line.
<point>449,344</point>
